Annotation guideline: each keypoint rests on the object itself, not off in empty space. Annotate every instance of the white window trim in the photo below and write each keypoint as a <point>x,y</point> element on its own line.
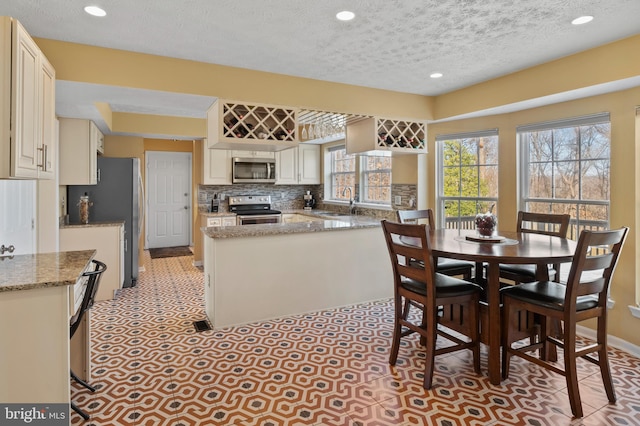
<point>361,179</point>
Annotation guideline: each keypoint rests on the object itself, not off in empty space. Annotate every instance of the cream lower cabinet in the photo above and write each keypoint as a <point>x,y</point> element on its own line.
<point>298,166</point>
<point>221,221</point>
<point>79,140</point>
<point>108,241</point>
<point>27,106</point>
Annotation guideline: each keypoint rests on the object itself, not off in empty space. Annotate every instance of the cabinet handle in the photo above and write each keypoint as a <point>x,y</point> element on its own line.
<point>126,246</point>
<point>46,157</point>
<point>43,165</point>
<point>98,175</point>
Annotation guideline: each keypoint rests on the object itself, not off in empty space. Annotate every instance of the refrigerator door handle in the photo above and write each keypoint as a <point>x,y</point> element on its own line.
<point>140,205</point>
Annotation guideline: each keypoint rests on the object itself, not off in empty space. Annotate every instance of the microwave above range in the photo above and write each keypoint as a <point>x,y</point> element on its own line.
<point>254,170</point>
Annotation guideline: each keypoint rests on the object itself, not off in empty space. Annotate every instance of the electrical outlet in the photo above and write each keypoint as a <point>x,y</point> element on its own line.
<point>398,200</point>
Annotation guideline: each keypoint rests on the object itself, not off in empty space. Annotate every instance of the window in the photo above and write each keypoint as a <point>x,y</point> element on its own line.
<point>375,173</point>
<point>342,173</point>
<point>566,170</point>
<point>468,177</point>
<point>369,178</point>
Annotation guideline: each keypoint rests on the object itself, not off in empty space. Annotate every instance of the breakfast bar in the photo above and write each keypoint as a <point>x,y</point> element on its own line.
<point>259,272</point>
<point>36,293</point>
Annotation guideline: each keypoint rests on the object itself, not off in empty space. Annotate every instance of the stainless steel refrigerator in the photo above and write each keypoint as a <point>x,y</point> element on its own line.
<point>117,196</point>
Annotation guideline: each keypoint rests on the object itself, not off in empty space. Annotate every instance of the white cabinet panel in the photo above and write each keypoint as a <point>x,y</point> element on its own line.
<point>17,215</point>
<point>78,151</point>
<point>299,165</point>
<point>27,106</point>
<point>217,167</point>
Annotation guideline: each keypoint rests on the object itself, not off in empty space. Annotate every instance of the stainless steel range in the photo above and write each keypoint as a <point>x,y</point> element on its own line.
<point>253,210</point>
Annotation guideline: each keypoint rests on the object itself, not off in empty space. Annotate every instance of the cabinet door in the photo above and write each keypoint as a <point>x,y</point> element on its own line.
<point>287,167</point>
<point>229,221</point>
<point>25,104</point>
<point>252,154</point>
<point>217,167</point>
<point>309,164</point>
<point>78,157</point>
<point>214,221</point>
<point>49,149</point>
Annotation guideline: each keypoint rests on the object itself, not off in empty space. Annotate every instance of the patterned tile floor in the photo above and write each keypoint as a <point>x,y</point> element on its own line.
<point>324,368</point>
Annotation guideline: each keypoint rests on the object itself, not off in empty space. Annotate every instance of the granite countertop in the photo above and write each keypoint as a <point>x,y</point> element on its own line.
<point>92,224</point>
<point>31,271</point>
<point>319,221</point>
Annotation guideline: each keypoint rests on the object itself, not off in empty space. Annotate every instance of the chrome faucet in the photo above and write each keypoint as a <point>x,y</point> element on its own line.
<point>352,206</point>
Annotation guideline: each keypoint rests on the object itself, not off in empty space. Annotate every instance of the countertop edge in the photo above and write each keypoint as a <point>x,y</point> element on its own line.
<point>50,269</point>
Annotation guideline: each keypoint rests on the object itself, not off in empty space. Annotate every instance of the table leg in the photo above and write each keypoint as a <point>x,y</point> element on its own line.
<point>493,302</point>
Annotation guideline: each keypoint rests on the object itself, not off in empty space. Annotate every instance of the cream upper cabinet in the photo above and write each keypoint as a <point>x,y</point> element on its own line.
<point>299,165</point>
<point>99,139</point>
<point>217,167</point>
<point>27,106</point>
<point>79,141</point>
<point>251,127</point>
<point>382,134</point>
<point>253,154</point>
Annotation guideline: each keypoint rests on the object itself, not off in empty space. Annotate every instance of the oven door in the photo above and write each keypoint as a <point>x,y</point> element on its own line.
<point>258,219</point>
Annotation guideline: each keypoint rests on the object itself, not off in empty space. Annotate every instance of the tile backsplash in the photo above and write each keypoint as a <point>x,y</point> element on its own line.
<point>289,197</point>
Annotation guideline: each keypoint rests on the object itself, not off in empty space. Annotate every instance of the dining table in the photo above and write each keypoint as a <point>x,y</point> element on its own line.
<point>501,248</point>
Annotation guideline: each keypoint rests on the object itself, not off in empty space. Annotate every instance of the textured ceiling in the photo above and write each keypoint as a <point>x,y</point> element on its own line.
<point>392,44</point>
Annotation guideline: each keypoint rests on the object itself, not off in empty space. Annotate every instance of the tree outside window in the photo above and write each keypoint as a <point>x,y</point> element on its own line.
<point>468,182</point>
<point>376,178</point>
<point>566,168</point>
<point>343,173</point>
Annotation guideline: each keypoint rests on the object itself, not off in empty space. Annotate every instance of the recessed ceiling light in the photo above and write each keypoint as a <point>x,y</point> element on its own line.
<point>95,11</point>
<point>436,75</point>
<point>345,15</point>
<point>582,20</point>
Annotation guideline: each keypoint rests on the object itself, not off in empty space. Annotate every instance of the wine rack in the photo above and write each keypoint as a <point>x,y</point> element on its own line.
<point>386,135</point>
<point>236,125</point>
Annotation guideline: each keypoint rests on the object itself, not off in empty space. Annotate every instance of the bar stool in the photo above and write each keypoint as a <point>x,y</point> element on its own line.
<point>93,281</point>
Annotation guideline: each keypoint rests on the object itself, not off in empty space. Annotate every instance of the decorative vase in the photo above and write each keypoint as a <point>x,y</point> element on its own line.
<point>486,232</point>
<point>486,224</point>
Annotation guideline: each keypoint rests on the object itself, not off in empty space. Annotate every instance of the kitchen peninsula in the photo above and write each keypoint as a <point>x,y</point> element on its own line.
<point>258,272</point>
<point>36,293</point>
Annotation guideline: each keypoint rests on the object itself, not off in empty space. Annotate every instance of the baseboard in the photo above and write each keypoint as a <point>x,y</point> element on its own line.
<point>197,263</point>
<point>141,269</point>
<point>614,341</point>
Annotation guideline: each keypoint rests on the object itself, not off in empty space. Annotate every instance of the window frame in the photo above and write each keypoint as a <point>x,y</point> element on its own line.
<point>441,199</point>
<point>330,172</point>
<point>364,172</point>
<point>525,199</point>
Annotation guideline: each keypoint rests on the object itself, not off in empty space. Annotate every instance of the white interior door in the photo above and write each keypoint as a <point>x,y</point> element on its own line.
<point>168,199</point>
<point>18,215</point>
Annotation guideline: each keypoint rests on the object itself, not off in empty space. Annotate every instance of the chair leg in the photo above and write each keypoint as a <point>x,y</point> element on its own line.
<point>571,371</point>
<point>82,382</point>
<point>79,411</point>
<point>504,333</point>
<point>474,333</point>
<point>397,329</point>
<point>429,362</point>
<point>603,361</point>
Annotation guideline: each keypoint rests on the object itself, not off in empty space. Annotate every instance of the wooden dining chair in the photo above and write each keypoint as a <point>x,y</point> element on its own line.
<point>448,304</point>
<point>452,267</point>
<point>584,296</point>
<point>555,225</point>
